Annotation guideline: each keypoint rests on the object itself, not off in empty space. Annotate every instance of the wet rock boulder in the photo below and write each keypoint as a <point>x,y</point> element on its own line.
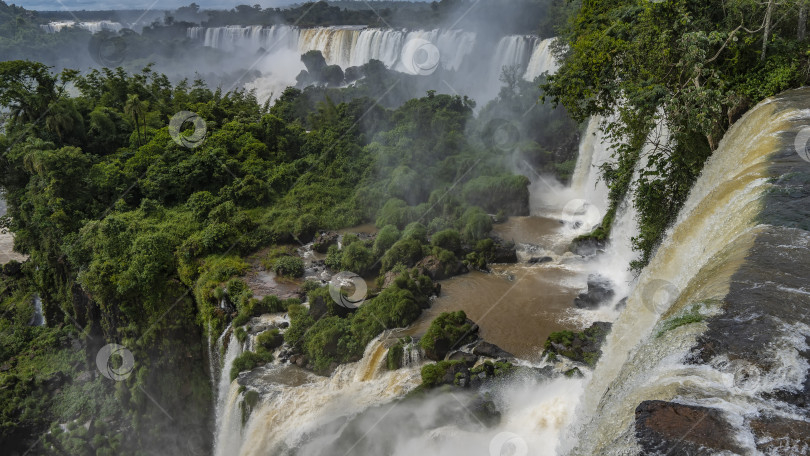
<point>670,428</point>
<point>432,267</point>
<point>540,260</point>
<point>323,240</point>
<point>587,246</point>
<point>600,291</point>
<point>582,347</point>
<point>491,350</point>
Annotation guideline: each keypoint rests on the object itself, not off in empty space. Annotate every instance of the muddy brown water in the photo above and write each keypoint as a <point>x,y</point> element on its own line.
<point>516,306</point>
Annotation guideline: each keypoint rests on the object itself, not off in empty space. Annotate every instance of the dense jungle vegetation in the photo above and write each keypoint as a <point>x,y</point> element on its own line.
<point>136,240</point>
<point>712,62</point>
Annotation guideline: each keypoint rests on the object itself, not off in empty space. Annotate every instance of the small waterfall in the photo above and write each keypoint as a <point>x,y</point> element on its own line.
<point>710,239</point>
<point>225,394</point>
<point>412,355</point>
<point>38,319</point>
<point>92,27</point>
<point>542,60</point>
<point>512,50</point>
<point>213,363</point>
<point>304,405</point>
<point>594,150</point>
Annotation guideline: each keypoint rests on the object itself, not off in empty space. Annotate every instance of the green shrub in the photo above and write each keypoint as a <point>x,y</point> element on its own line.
<point>415,231</point>
<point>310,285</point>
<point>447,239</point>
<point>334,258</point>
<point>330,340</point>
<point>270,339</point>
<point>477,224</point>
<point>289,266</point>
<point>405,251</point>
<point>241,319</point>
<point>357,258</point>
<point>393,359</point>
<point>432,374</point>
<point>386,237</point>
<point>449,330</point>
<point>300,322</point>
<point>249,360</point>
<point>241,334</point>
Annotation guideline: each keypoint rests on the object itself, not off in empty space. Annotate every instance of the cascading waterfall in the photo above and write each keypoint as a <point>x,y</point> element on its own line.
<point>93,27</point>
<point>512,51</point>
<point>542,60</point>
<point>594,151</point>
<point>225,427</point>
<point>691,271</point>
<point>38,319</point>
<point>289,409</point>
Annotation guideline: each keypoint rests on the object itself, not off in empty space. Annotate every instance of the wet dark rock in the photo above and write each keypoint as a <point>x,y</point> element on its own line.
<point>503,252</point>
<point>436,270</point>
<point>540,260</point>
<point>670,428</point>
<point>484,409</point>
<point>600,290</point>
<point>491,350</point>
<point>323,240</point>
<point>773,434</point>
<point>621,304</point>
<point>573,373</point>
<point>467,358</point>
<point>582,347</point>
<point>587,246</point>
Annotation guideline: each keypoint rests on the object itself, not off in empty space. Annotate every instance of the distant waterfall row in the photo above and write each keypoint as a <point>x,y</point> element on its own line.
<point>92,27</point>
<point>348,46</point>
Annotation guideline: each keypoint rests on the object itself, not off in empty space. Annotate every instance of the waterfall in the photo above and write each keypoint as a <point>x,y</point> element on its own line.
<point>412,355</point>
<point>691,270</point>
<point>92,27</point>
<point>511,51</point>
<point>296,402</point>
<point>340,45</point>
<point>225,395</point>
<point>38,319</point>
<point>542,60</point>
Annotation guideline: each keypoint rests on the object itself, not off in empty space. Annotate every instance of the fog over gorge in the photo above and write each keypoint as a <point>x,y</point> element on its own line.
<point>462,227</point>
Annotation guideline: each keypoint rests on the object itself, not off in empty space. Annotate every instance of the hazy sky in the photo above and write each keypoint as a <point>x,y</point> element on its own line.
<point>59,5</point>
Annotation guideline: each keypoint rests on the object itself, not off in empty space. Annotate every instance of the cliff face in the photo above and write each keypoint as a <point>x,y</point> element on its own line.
<point>722,364</point>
